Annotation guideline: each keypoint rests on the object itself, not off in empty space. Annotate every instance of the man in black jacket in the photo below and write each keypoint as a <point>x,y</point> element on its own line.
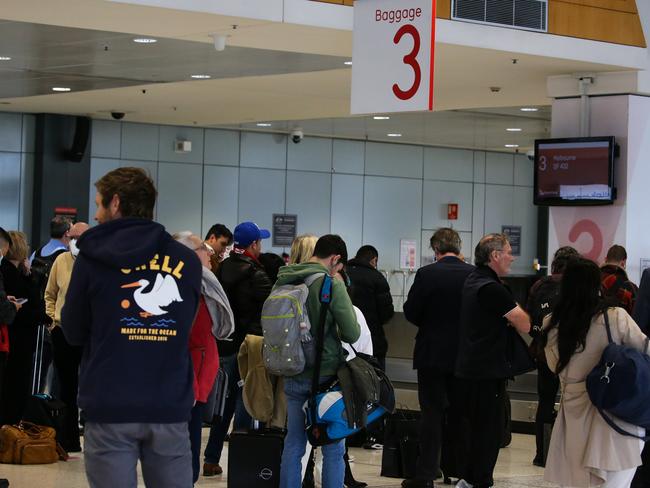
<point>247,285</point>
<point>433,305</point>
<point>371,294</point>
<point>489,317</point>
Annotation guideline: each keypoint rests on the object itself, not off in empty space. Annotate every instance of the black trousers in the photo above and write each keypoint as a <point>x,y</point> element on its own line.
<point>483,418</point>
<point>66,362</point>
<point>439,424</point>
<point>3,363</point>
<point>547,387</point>
<point>17,381</point>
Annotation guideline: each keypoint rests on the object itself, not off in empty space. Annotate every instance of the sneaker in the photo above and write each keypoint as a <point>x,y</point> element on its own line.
<point>211,469</point>
<point>372,444</point>
<point>463,484</point>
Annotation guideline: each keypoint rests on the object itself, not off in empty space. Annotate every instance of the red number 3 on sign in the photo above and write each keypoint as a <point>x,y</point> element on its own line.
<point>411,60</point>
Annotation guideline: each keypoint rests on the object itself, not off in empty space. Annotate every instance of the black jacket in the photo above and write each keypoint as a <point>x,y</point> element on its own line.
<point>433,305</point>
<point>641,313</point>
<point>7,309</point>
<point>247,286</point>
<point>371,294</point>
<point>29,317</point>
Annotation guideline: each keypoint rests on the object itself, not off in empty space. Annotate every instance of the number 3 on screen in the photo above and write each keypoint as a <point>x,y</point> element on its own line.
<point>411,60</point>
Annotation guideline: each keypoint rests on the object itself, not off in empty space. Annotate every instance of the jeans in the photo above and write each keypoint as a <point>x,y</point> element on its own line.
<point>195,426</point>
<point>112,452</point>
<point>234,406</point>
<point>298,392</point>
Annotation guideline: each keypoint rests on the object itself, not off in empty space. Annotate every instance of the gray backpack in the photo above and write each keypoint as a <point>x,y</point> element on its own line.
<point>288,346</point>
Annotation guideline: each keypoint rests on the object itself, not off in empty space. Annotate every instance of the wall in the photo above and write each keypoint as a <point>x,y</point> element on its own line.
<point>17,135</point>
<point>369,192</point>
<point>615,21</point>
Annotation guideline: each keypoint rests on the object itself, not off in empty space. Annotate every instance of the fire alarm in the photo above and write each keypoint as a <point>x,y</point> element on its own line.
<point>452,211</point>
<point>183,146</point>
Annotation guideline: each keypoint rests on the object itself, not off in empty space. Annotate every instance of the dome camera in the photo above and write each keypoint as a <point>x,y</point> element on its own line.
<point>530,155</point>
<point>297,135</point>
<point>118,115</point>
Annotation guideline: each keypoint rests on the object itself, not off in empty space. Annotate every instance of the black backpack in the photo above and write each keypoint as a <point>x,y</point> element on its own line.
<point>41,267</point>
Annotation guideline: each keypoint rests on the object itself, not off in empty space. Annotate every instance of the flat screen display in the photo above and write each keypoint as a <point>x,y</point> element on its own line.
<point>578,171</point>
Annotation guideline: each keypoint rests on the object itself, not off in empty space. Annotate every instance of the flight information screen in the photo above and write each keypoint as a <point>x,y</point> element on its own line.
<point>574,172</point>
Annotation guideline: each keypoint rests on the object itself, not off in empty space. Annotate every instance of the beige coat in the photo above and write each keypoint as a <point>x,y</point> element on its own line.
<point>263,393</point>
<point>583,447</point>
<point>57,286</point>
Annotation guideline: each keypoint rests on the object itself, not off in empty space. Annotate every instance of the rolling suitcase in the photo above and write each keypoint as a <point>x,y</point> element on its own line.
<point>42,409</point>
<point>254,458</point>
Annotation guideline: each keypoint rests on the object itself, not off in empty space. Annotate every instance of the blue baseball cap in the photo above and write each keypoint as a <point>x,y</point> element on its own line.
<point>248,232</point>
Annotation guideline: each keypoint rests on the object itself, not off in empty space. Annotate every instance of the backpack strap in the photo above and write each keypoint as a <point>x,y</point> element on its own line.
<point>620,430</point>
<point>607,327</point>
<point>311,278</point>
<point>325,298</point>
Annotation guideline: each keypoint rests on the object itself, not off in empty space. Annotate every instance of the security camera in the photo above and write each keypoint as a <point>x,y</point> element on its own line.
<point>297,135</point>
<point>118,115</point>
<point>530,155</point>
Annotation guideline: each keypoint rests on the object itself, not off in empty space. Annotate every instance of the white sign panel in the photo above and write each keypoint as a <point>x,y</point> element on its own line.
<point>393,56</point>
<point>407,253</point>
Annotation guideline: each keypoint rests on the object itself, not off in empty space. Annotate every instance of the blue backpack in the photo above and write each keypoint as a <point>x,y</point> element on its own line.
<point>620,385</point>
<point>326,420</point>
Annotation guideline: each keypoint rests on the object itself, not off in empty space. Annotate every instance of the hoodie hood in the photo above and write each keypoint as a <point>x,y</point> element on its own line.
<point>123,243</point>
<point>296,273</point>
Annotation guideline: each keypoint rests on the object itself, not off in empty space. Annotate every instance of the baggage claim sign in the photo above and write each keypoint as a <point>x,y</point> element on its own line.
<point>393,56</point>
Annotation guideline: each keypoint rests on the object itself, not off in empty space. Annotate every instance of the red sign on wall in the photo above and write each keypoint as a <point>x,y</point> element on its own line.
<point>452,211</point>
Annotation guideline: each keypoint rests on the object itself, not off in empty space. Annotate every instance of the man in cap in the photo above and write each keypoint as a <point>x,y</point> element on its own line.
<point>247,286</point>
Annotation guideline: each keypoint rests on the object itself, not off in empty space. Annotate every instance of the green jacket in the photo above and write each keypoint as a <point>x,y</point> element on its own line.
<point>340,314</point>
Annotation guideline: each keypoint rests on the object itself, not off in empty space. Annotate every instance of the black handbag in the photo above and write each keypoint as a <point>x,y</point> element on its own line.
<point>400,437</point>
<point>518,358</point>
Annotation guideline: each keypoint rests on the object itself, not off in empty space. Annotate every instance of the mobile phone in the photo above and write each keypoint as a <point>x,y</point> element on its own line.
<point>21,301</point>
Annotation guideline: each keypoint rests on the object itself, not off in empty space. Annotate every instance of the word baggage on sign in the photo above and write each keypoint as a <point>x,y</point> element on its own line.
<point>393,56</point>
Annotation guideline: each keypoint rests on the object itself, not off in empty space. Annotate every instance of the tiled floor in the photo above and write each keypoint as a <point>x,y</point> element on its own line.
<point>514,470</point>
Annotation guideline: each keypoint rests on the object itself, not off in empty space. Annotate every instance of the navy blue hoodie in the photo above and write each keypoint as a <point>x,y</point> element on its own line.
<point>131,302</point>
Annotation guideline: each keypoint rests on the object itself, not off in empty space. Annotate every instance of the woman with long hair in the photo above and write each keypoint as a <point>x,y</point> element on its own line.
<point>22,331</point>
<point>585,451</point>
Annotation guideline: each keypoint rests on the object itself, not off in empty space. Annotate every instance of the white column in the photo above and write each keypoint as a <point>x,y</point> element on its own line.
<point>592,230</point>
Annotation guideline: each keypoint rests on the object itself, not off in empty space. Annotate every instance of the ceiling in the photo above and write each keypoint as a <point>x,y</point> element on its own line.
<point>288,74</point>
<point>483,129</point>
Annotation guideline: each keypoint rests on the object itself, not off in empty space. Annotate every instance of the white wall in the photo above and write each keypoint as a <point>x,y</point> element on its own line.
<point>369,192</point>
<point>17,133</point>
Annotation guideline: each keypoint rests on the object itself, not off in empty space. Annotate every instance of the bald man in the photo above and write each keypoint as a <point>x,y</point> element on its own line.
<point>66,357</point>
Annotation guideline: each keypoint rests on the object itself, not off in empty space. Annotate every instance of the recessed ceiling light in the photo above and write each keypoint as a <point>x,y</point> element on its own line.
<point>513,129</point>
<point>348,63</point>
<point>529,109</point>
<point>394,135</point>
<point>5,58</point>
<point>61,89</point>
<point>381,117</point>
<point>145,40</point>
<point>201,77</point>
<point>264,124</point>
<point>512,146</point>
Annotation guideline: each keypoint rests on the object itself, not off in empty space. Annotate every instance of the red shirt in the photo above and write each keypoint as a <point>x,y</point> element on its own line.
<point>205,356</point>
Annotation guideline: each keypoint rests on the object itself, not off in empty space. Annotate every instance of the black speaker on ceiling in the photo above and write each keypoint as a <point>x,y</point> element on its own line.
<point>80,140</point>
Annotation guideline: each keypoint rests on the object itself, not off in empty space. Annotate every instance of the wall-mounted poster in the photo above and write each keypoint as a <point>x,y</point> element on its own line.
<point>514,236</point>
<point>407,253</point>
<point>284,229</point>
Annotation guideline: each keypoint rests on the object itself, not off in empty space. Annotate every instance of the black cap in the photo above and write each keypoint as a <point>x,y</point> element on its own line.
<point>5,235</point>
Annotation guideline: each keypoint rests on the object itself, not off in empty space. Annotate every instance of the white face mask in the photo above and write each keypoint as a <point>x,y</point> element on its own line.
<point>1,257</point>
<point>73,247</point>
